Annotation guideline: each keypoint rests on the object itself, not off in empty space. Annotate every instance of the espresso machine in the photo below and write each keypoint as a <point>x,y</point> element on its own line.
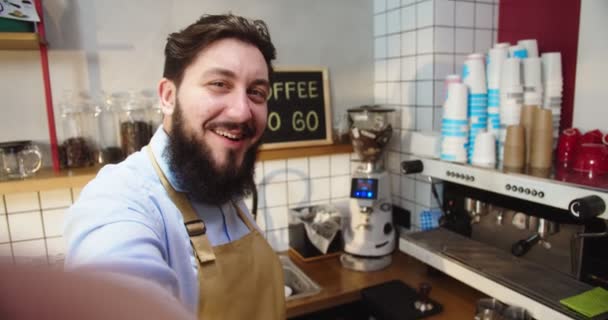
<point>369,235</point>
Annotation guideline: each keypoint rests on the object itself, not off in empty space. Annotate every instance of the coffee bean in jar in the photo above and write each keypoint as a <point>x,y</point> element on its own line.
<point>133,136</point>
<point>75,153</point>
<point>369,143</point>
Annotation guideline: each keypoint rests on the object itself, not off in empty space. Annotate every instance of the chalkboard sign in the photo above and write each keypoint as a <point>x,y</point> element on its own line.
<point>298,109</point>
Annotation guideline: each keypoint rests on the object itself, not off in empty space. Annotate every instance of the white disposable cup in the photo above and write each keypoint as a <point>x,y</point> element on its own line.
<point>531,46</point>
<point>532,72</point>
<point>476,77</point>
<point>455,106</point>
<point>552,67</point>
<point>518,51</point>
<point>450,78</point>
<point>505,45</point>
<point>484,153</point>
<point>532,99</point>
<point>510,113</point>
<point>496,57</point>
<point>510,75</point>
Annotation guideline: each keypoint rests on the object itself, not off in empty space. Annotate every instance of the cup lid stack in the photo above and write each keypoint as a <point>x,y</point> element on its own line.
<point>474,76</point>
<point>454,124</point>
<point>553,86</point>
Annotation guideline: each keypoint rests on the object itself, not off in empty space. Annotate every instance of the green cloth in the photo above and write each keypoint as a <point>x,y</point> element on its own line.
<point>590,303</point>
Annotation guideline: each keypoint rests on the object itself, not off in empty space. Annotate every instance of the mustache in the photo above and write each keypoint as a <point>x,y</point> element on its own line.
<point>247,129</point>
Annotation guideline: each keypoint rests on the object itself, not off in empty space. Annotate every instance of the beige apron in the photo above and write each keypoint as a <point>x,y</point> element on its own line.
<point>242,279</point>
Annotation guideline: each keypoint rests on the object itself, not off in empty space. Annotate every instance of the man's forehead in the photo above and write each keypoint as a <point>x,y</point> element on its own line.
<point>231,57</point>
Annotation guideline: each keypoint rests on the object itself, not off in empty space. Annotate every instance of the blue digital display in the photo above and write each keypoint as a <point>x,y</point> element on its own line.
<point>364,188</point>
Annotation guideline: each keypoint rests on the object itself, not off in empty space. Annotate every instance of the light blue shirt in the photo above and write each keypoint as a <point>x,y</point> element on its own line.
<point>125,223</point>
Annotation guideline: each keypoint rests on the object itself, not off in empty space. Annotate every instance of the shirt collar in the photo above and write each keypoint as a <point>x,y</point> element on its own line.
<point>159,144</point>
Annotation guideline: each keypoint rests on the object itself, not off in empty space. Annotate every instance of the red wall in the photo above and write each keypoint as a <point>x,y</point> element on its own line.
<point>555,24</point>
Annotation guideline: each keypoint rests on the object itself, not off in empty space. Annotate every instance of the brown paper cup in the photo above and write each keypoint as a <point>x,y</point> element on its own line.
<point>541,148</point>
<point>527,120</point>
<point>515,148</point>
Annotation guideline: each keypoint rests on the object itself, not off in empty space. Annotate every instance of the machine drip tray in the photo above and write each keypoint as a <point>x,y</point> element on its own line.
<point>533,280</point>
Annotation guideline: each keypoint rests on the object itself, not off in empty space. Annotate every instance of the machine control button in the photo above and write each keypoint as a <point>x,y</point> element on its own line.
<point>508,187</point>
<point>473,178</point>
<point>388,228</point>
<point>520,189</point>
<point>527,191</point>
<point>541,194</point>
<point>534,193</point>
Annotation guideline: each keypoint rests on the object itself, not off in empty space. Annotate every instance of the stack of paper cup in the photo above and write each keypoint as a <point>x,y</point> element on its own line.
<point>474,76</point>
<point>455,125</point>
<point>485,150</point>
<point>450,78</point>
<point>533,86</point>
<point>531,47</point>
<point>511,99</point>
<point>518,51</point>
<point>496,57</point>
<point>553,86</point>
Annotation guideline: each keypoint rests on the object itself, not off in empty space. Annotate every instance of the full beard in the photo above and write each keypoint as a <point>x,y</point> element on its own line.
<point>197,172</point>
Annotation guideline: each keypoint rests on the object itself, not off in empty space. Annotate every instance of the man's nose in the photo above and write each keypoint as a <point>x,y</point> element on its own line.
<point>239,109</point>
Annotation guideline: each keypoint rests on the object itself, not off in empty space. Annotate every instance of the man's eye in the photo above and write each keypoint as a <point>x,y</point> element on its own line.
<point>258,94</point>
<point>220,84</point>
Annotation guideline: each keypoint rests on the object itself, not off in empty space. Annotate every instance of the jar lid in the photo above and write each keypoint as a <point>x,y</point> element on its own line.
<point>15,146</point>
<point>372,108</point>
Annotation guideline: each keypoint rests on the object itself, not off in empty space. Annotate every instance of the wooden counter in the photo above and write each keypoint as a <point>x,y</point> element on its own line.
<point>341,286</point>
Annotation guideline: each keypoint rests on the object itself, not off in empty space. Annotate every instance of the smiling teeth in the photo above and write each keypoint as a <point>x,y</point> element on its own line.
<point>227,135</point>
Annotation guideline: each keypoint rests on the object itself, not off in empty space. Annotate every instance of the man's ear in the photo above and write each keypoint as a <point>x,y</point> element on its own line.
<point>167,91</point>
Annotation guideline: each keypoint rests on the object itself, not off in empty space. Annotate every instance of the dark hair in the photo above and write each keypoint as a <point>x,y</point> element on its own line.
<point>182,47</point>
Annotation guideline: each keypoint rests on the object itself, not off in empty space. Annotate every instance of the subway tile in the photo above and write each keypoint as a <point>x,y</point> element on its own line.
<point>5,251</point>
<point>424,14</point>
<point>464,41</point>
<point>276,218</point>
<point>408,43</point>
<point>25,226</point>
<point>319,189</point>
<point>495,19</point>
<point>380,93</point>
<point>2,211</point>
<point>444,40</point>
<point>394,46</point>
<point>340,186</point>
<point>395,119</point>
<point>424,94</point>
<point>393,23</point>
<point>53,222</point>
<point>408,118</point>
<point>459,62</point>
<point>406,139</point>
<point>379,5</point>
<point>4,229</point>
<point>483,41</point>
<point>483,15</point>
<point>394,92</point>
<point>380,70</point>
<point>465,14</point>
<point>340,164</point>
<point>56,251</point>
<point>408,18</point>
<point>440,92</point>
<point>425,41</point>
<point>20,202</point>
<point>395,184</point>
<point>259,172</point>
<point>276,194</point>
<point>76,193</point>
<point>394,161</point>
<point>30,252</point>
<point>424,119</point>
<point>380,47</point>
<point>278,239</point>
<point>437,115</point>
<point>408,188</point>
<point>444,13</point>
<point>380,24</point>
<point>408,93</point>
<point>424,67</point>
<point>393,70</point>
<point>407,2</point>
<point>59,198</point>
<point>494,36</point>
<point>392,4</point>
<point>444,65</point>
<point>408,68</point>
<point>424,195</point>
<point>319,166</point>
<point>261,189</point>
<point>487,1</point>
<point>297,169</point>
<point>275,171</point>
<point>298,192</point>
<point>260,219</point>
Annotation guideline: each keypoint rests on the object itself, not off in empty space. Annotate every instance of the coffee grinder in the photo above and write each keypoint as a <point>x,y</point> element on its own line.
<point>369,235</point>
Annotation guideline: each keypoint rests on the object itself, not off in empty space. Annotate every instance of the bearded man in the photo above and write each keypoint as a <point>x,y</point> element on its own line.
<point>173,213</point>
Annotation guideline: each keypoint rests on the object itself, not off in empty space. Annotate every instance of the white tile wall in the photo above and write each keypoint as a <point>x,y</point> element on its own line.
<point>275,171</point>
<point>436,36</point>
<point>20,202</point>
<point>4,229</point>
<point>340,164</point>
<point>380,47</point>
<point>28,252</point>
<point>55,198</point>
<point>297,169</point>
<point>299,192</point>
<point>275,194</point>
<point>379,6</point>
<point>53,222</point>
<point>25,226</point>
<point>2,210</point>
<point>320,189</point>
<point>394,24</point>
<point>394,46</point>
<point>340,186</point>
<point>319,166</point>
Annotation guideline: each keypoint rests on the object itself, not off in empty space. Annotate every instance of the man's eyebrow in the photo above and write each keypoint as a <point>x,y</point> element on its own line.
<point>229,74</point>
<point>262,82</point>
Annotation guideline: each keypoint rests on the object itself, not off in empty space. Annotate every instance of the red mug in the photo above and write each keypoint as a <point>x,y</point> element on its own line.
<point>593,136</point>
<point>566,146</point>
<point>592,158</point>
<point>605,139</point>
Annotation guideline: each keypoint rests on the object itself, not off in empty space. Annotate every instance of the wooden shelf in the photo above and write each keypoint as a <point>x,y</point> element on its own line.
<point>19,41</point>
<point>46,179</point>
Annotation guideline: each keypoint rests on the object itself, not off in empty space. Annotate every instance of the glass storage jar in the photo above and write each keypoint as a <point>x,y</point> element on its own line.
<point>134,128</point>
<point>78,145</point>
<point>154,112</point>
<point>108,129</point>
